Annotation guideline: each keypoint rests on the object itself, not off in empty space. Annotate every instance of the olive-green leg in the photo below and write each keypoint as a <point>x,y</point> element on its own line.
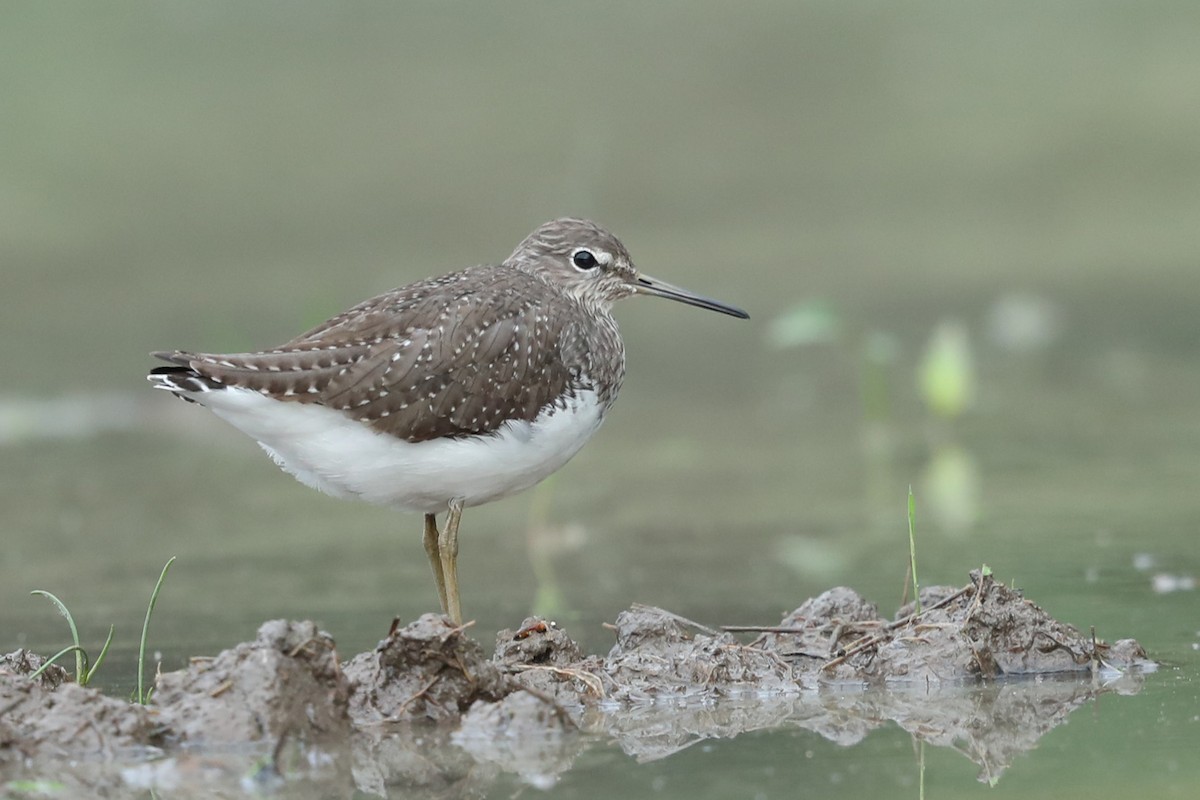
<point>448,553</point>
<point>435,560</point>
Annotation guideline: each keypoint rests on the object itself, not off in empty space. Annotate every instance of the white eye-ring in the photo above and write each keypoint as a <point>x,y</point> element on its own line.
<point>585,259</point>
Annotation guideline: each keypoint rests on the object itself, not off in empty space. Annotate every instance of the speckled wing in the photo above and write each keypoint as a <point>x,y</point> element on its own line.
<point>451,356</point>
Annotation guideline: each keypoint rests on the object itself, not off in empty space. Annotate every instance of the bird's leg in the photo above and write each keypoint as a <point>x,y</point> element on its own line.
<point>448,552</point>
<point>435,560</point>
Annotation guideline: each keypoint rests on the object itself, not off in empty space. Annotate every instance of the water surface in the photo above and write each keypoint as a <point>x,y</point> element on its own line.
<point>220,177</point>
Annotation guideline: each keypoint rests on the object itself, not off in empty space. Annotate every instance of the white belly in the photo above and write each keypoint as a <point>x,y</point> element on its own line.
<point>327,450</point>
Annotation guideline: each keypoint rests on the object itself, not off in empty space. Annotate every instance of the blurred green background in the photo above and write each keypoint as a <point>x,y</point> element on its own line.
<point>967,234</point>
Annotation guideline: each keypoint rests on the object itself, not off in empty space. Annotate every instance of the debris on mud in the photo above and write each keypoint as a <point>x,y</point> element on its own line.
<point>23,662</point>
<point>426,709</point>
<point>982,630</point>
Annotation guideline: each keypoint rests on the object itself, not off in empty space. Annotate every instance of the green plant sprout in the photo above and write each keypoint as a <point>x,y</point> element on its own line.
<point>143,696</point>
<point>84,672</point>
<point>912,547</point>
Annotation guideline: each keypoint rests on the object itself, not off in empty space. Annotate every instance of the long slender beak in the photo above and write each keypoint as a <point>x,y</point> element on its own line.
<point>647,285</point>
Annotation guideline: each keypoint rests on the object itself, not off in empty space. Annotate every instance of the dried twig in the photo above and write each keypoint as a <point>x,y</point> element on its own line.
<point>404,706</point>
<point>763,629</point>
<point>677,618</point>
<point>589,679</point>
<point>295,651</point>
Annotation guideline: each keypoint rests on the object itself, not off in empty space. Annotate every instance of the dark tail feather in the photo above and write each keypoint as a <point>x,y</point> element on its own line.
<point>181,380</point>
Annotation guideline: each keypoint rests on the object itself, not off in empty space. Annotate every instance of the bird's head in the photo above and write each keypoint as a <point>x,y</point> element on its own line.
<point>592,265</point>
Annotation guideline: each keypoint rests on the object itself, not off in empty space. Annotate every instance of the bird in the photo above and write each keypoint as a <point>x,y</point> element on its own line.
<point>446,393</point>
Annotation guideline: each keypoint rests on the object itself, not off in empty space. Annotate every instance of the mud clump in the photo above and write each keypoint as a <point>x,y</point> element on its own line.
<point>657,655</point>
<point>49,718</point>
<point>541,658</point>
<point>809,637</point>
<point>428,669</point>
<point>982,630</point>
<point>410,694</point>
<point>286,681</point>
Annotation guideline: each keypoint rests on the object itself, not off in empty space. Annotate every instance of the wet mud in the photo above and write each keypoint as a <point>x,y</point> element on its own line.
<point>428,712</point>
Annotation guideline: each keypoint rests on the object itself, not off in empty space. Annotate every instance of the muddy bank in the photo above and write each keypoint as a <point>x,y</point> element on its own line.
<point>429,710</point>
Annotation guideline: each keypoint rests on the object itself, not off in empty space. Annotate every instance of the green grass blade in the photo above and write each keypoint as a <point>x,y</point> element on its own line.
<point>142,696</point>
<point>37,672</point>
<point>80,654</point>
<point>100,658</point>
<point>912,547</point>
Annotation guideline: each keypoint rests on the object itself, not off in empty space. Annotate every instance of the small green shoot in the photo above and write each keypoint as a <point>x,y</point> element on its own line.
<point>912,547</point>
<point>37,672</point>
<point>142,695</point>
<point>83,673</point>
<point>985,571</point>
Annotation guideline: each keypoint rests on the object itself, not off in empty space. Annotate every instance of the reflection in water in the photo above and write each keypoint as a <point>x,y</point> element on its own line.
<point>950,488</point>
<point>544,542</point>
<point>947,371</point>
<point>991,724</point>
<point>950,481</point>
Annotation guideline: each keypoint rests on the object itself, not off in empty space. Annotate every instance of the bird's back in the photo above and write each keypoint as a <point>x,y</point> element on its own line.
<point>446,357</point>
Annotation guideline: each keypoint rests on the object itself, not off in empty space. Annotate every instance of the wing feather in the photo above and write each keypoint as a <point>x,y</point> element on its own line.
<point>451,356</point>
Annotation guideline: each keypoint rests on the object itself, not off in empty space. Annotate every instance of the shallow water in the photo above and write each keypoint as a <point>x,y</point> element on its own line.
<point>219,177</point>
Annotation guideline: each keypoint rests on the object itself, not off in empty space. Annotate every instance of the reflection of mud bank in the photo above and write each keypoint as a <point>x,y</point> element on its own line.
<point>426,709</point>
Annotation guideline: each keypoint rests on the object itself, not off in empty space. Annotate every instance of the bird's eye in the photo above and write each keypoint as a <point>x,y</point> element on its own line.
<point>583,259</point>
